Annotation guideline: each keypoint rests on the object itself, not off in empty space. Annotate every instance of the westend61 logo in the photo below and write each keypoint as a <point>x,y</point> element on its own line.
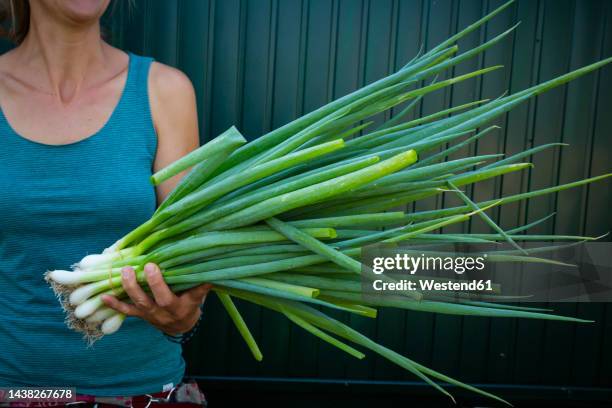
<point>400,270</point>
<point>413,264</point>
<point>537,271</point>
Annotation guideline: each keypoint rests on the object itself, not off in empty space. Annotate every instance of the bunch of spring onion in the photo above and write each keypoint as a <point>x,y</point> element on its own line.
<point>281,221</point>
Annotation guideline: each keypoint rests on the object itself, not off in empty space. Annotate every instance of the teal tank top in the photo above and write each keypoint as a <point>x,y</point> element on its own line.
<point>58,204</point>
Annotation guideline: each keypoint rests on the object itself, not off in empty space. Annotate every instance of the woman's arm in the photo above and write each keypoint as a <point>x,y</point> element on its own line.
<point>173,107</point>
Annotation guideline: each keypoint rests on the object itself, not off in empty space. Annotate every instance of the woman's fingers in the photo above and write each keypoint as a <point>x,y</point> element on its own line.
<point>120,306</point>
<point>134,291</point>
<point>161,292</point>
<point>165,310</point>
<point>197,294</point>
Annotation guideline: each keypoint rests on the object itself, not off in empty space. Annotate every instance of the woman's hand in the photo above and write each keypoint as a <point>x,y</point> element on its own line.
<point>172,314</point>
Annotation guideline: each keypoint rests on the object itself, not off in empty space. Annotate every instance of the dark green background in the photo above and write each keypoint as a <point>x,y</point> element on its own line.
<point>260,63</point>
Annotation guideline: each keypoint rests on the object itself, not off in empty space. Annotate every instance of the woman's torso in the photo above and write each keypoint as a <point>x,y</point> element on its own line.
<point>57,204</point>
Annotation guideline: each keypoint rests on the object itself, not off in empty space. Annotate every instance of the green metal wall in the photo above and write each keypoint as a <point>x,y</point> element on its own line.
<point>261,63</point>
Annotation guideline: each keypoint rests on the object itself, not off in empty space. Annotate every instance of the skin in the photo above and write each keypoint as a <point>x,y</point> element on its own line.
<point>66,76</point>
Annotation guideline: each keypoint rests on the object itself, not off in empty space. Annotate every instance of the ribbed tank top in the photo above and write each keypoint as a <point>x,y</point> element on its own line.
<point>58,204</point>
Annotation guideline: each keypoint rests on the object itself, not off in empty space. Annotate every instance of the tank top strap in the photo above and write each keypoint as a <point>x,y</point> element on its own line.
<point>138,73</point>
<point>136,91</point>
<point>134,110</point>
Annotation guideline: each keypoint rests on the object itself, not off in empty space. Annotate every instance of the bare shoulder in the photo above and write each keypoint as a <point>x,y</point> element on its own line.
<point>6,74</point>
<point>173,108</point>
<point>169,84</point>
<point>6,63</point>
<point>171,96</point>
<point>4,57</point>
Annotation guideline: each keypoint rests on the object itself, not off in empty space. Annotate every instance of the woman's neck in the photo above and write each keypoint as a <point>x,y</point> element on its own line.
<point>68,55</point>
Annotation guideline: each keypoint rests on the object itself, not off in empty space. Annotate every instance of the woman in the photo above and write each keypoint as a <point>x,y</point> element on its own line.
<point>82,127</point>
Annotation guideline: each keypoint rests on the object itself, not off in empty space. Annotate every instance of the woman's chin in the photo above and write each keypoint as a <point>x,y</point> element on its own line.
<point>81,11</point>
